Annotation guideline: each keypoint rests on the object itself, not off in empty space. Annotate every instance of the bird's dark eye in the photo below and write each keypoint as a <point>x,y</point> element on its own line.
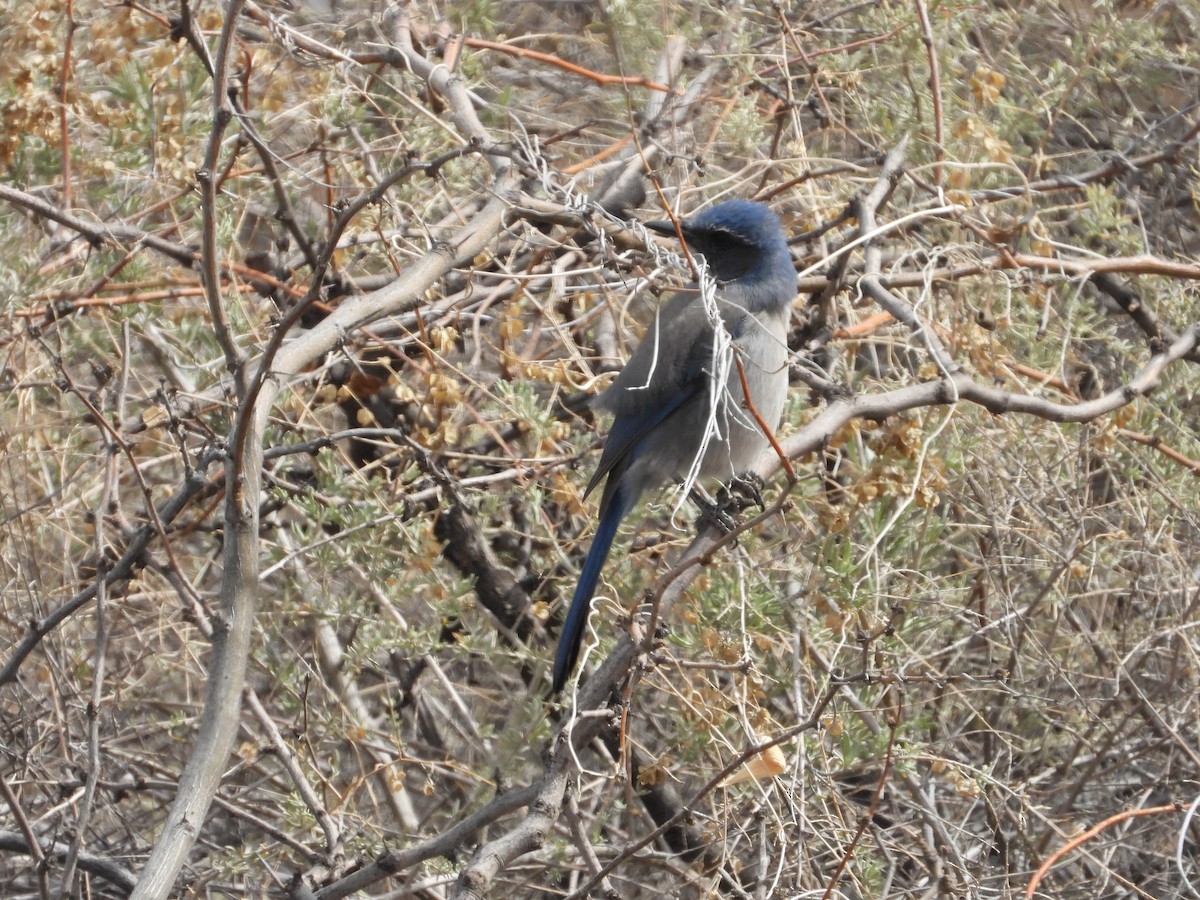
<point>727,236</point>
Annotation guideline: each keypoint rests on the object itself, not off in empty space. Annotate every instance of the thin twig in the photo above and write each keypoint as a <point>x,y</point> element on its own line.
<point>1081,839</point>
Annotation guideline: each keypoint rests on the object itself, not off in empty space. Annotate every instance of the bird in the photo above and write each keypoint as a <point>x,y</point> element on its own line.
<point>678,408</point>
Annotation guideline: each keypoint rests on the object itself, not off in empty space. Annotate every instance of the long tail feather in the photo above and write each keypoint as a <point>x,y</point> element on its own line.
<point>571,637</point>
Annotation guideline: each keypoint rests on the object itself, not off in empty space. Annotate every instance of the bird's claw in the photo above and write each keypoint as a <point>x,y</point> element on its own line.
<point>742,492</point>
<point>745,490</point>
<point>718,513</point>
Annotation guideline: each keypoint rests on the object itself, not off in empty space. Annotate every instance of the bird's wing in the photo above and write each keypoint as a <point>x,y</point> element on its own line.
<point>665,371</point>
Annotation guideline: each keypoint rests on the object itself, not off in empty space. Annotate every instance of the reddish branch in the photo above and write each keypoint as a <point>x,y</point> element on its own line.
<point>1079,840</point>
<point>573,68</point>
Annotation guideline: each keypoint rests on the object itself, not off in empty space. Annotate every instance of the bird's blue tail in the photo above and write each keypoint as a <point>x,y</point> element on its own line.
<point>571,636</point>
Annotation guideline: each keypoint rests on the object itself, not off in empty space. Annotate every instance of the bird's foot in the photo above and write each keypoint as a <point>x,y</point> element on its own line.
<point>718,513</point>
<point>744,491</point>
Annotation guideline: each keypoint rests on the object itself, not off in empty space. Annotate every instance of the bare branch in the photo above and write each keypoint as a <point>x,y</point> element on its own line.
<point>116,875</point>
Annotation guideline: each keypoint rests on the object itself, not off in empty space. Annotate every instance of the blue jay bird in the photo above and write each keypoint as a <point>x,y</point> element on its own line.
<point>678,404</point>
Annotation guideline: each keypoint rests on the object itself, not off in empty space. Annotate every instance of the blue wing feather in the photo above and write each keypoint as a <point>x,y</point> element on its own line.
<point>664,373</point>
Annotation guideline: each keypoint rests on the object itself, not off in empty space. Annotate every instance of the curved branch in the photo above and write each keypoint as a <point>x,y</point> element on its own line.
<point>445,844</point>
<point>233,627</point>
<point>98,235</point>
<point>474,880</point>
<point>962,386</point>
<point>1118,165</point>
<point>130,561</point>
<point>99,866</point>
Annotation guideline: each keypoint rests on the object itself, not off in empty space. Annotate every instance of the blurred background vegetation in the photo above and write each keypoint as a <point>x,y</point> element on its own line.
<point>990,619</point>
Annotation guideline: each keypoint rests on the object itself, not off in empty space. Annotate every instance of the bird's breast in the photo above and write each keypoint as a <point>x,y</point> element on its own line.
<point>760,347</point>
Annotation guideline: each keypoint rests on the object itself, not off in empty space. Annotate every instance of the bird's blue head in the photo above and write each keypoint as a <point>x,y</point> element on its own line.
<point>741,241</point>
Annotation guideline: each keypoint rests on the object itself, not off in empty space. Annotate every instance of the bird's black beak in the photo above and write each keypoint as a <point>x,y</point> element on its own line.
<point>662,226</point>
